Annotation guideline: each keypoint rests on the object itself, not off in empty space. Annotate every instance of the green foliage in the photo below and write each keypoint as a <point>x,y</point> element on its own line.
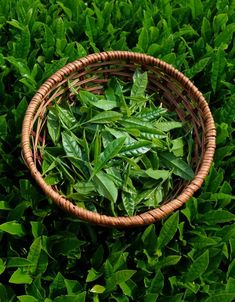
<point>104,157</point>
<point>47,255</point>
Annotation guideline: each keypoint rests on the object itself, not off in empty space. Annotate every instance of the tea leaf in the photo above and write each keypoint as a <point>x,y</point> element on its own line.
<point>18,262</point>
<point>168,230</point>
<point>198,267</point>
<point>128,203</point>
<point>27,298</point>
<point>120,277</point>
<point>98,289</point>
<point>147,130</point>
<point>217,67</point>
<point>105,186</point>
<point>90,98</point>
<point>179,166</point>
<point>105,117</point>
<point>219,216</point>
<point>20,277</point>
<point>167,126</point>
<point>222,297</point>
<point>135,148</point>
<point>12,228</point>
<point>140,81</point>
<point>53,126</point>
<point>66,117</point>
<point>70,145</point>
<point>151,114</point>
<point>157,174</point>
<point>111,150</point>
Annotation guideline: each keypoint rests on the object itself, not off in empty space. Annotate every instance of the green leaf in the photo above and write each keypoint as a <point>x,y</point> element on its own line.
<point>27,298</point>
<point>198,267</point>
<point>92,275</point>
<point>214,180</point>
<point>156,284</point>
<point>123,275</point>
<point>178,147</point>
<point>97,145</point>
<point>197,68</point>
<point>150,297</point>
<point>180,167</point>
<point>37,257</point>
<point>222,133</point>
<point>97,289</point>
<point>23,45</point>
<point>3,126</point>
<point>231,269</point>
<point>157,174</point>
<point>223,39</point>
<point>68,245</point>
<point>135,149</point>
<point>67,11</point>
<point>128,203</point>
<point>186,31</point>
<point>72,287</point>
<point>206,29</point>
<point>150,114</point>
<point>13,228</point>
<point>140,81</point>
<point>149,238</point>
<point>148,130</point>
<point>167,126</point>
<point>84,188</point>
<point>52,179</point>
<point>2,266</point>
<point>168,230</point>
<point>128,288</point>
<point>105,117</point>
<point>70,145</point>
<point>218,216</point>
<point>90,98</point>
<point>219,22</point>
<point>143,40</point>
<point>4,206</point>
<point>196,8</point>
<point>221,297</point>
<point>60,165</point>
<point>111,150</point>
<point>217,70</point>
<point>57,287</point>
<point>169,260</point>
<point>230,285</point>
<point>53,126</point>
<point>18,262</point>
<point>48,45</point>
<point>19,112</point>
<point>20,277</point>
<point>105,186</point>
<point>119,277</point>
<point>16,24</point>
<point>66,117</point>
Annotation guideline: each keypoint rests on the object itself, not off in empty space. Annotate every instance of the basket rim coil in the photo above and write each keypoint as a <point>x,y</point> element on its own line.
<point>147,217</point>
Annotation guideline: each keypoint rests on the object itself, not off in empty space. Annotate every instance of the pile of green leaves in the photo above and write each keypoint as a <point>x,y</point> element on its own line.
<point>46,255</point>
<point>115,153</point>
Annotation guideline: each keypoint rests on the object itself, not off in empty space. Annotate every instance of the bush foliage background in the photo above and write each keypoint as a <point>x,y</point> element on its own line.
<point>46,255</point>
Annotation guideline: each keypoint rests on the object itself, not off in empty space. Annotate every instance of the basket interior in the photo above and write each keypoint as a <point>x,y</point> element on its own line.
<point>95,77</point>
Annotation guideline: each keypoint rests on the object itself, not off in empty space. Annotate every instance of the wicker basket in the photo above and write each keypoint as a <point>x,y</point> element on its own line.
<point>92,73</point>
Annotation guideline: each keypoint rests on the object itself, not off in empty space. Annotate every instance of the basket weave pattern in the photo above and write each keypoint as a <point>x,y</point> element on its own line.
<point>175,91</point>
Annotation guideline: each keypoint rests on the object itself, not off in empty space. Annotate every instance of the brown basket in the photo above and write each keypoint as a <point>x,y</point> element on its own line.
<point>92,73</point>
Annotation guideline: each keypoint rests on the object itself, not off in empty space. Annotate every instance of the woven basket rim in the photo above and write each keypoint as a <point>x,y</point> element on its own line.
<point>147,217</point>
